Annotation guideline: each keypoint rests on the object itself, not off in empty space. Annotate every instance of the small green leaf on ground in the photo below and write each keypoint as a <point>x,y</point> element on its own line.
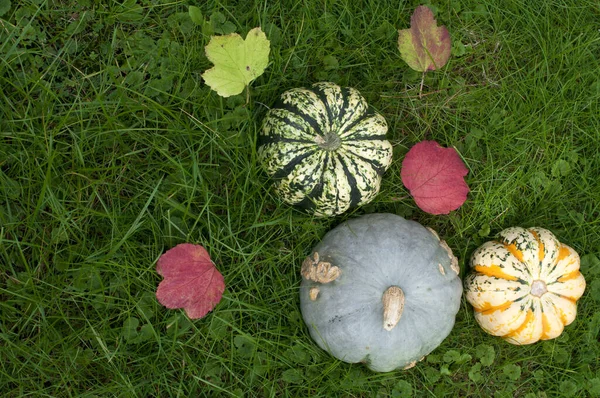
<point>298,354</point>
<point>484,230</point>
<point>475,373</point>
<point>292,376</point>
<point>432,374</point>
<point>4,7</point>
<point>486,354</point>
<point>561,355</point>
<point>424,46</point>
<point>130,11</point>
<point>561,168</point>
<point>330,62</point>
<point>593,387</point>
<point>220,24</point>
<point>129,331</point>
<point>453,356</point>
<point>445,370</point>
<point>595,290</point>
<point>590,264</point>
<point>539,180</point>
<point>244,345</point>
<point>196,15</point>
<point>568,388</point>
<point>433,358</point>
<point>512,371</point>
<point>402,389</point>
<point>237,61</point>
<point>458,49</point>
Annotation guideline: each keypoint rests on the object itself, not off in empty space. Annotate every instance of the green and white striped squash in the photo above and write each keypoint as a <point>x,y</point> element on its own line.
<point>325,149</point>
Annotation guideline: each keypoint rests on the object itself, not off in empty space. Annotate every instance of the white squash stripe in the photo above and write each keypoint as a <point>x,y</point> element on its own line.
<point>371,126</point>
<point>334,100</point>
<point>484,292</point>
<point>277,155</point>
<point>276,126</point>
<point>355,109</point>
<point>308,103</point>
<point>532,329</point>
<point>572,288</point>
<point>366,177</point>
<point>566,309</point>
<point>336,189</point>
<point>552,324</point>
<point>498,259</point>
<point>550,250</point>
<point>565,266</point>
<point>301,181</point>
<point>524,242</point>
<point>499,323</point>
<point>377,152</point>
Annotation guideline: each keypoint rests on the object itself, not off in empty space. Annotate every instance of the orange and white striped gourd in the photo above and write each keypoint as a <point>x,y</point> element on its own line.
<point>524,286</point>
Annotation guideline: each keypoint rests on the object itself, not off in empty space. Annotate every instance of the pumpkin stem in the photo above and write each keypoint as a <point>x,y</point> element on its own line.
<point>393,305</point>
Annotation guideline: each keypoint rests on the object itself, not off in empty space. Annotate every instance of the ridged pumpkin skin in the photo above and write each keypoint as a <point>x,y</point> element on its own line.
<point>324,148</point>
<point>343,303</point>
<point>525,285</point>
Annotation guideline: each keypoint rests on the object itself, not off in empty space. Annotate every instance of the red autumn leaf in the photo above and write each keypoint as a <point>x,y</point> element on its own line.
<point>191,280</point>
<point>424,46</point>
<point>434,176</point>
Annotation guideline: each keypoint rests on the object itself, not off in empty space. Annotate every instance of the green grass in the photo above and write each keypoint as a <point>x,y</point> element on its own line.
<point>112,150</point>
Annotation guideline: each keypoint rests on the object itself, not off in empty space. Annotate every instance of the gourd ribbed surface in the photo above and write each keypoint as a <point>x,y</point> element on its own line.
<point>324,148</point>
<point>345,313</point>
<point>525,285</point>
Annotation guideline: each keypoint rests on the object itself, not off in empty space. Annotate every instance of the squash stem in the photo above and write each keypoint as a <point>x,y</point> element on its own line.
<point>329,142</point>
<point>393,305</point>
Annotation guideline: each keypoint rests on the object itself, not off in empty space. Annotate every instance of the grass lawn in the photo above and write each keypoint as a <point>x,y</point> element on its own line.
<point>113,150</point>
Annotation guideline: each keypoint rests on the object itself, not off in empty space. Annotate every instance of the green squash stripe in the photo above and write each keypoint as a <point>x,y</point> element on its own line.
<point>356,110</point>
<point>307,105</point>
<point>346,107</point>
<point>370,126</point>
<point>377,153</point>
<point>279,155</point>
<point>364,178</point>
<point>283,125</point>
<point>333,99</point>
<point>291,165</point>
<point>302,179</point>
<point>356,194</point>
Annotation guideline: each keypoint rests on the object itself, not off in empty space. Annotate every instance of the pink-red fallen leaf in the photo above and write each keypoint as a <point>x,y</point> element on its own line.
<point>191,280</point>
<point>434,176</point>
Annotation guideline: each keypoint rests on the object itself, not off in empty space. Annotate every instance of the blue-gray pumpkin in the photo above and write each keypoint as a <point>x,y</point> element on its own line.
<point>380,290</point>
<point>324,148</point>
